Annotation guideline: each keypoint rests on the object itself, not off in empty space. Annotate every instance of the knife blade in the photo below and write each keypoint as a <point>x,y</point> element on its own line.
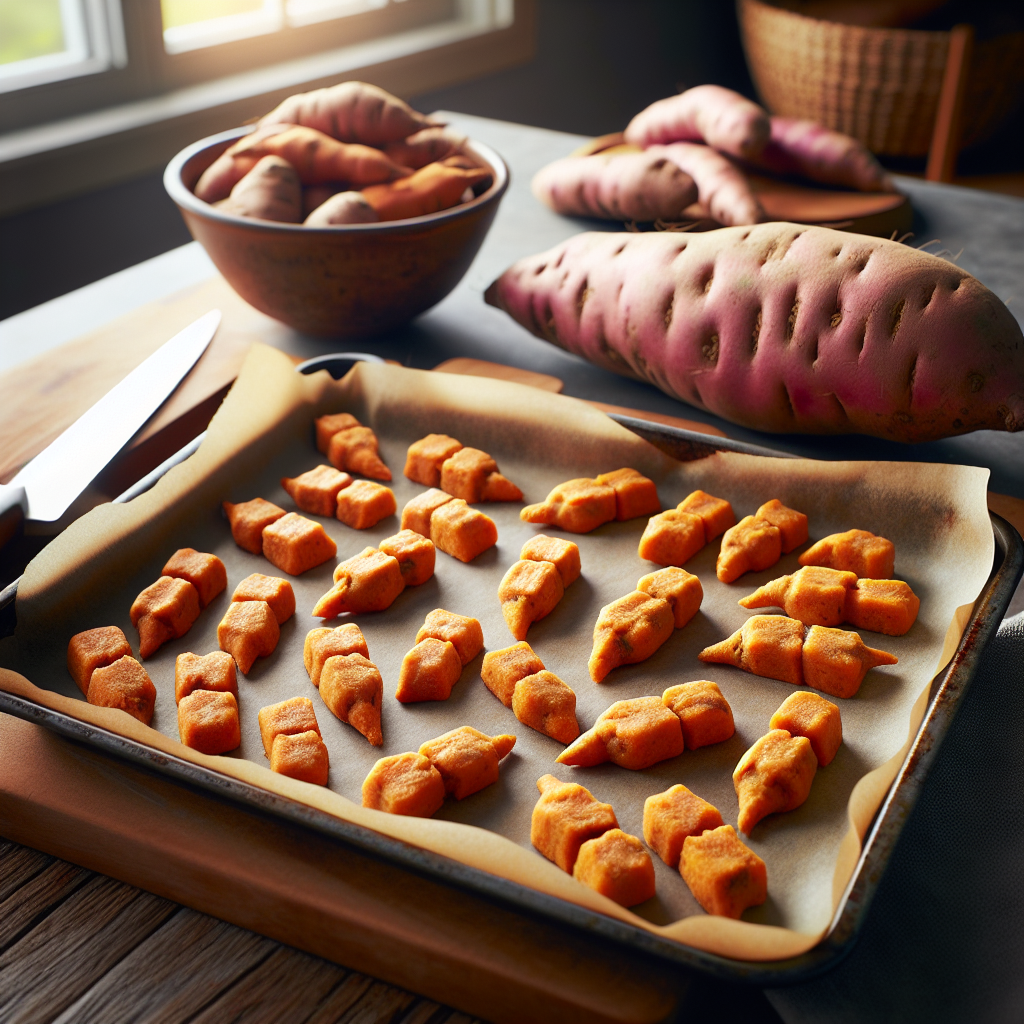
<point>689,445</point>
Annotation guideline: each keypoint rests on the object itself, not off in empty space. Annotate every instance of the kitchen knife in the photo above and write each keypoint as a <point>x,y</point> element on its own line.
<point>689,445</point>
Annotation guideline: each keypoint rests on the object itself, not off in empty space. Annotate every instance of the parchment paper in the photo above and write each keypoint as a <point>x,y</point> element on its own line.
<point>935,514</point>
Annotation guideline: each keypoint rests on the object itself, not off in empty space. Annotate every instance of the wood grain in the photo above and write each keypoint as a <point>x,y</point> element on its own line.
<point>37,896</point>
<point>20,864</point>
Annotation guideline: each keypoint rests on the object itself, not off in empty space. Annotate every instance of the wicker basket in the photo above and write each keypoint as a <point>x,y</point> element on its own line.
<point>879,85</point>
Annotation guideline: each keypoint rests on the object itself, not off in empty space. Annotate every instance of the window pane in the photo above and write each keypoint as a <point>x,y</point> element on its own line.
<point>188,12</point>
<point>30,28</point>
<point>193,24</point>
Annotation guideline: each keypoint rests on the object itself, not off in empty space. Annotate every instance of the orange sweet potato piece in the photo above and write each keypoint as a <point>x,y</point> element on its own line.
<point>352,688</point>
<point>364,504</point>
<point>716,513</point>
<point>632,733</point>
<point>855,551</point>
<point>790,523</point>
<point>214,672</point>
<point>316,490</point>
<point>883,606</point>
<point>765,645</point>
<point>435,187</point>
<point>208,721</point>
<point>680,588</point>
<point>528,592</point>
<point>164,611</point>
<point>814,595</point>
<point>499,488</point>
<point>123,684</point>
<point>404,784</point>
<point>564,555</point>
<point>418,511</point>
<point>328,426</point>
<point>426,456</point>
<point>564,818</point>
<point>724,875</point>
<point>356,449</point>
<point>671,816</point>
<point>248,520</point>
<point>578,506</point>
<point>461,531</point>
<point>464,472</point>
<point>301,756</point>
<point>703,712</point>
<point>287,718</point>
<point>806,714</point>
<point>204,571</point>
<point>502,669</point>
<point>635,494</point>
<point>836,661</point>
<point>249,630</point>
<point>749,546</point>
<point>774,775</point>
<point>462,631</point>
<point>278,593</point>
<point>296,544</point>
<point>323,643</point>
<point>367,582</point>
<point>429,671</point>
<point>616,865</point>
<point>467,759</point>
<point>629,630</point>
<point>414,553</point>
<point>543,702</point>
<point>93,649</point>
<point>672,538</point>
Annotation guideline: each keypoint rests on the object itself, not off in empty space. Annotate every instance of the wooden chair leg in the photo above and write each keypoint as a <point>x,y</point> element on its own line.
<point>948,119</point>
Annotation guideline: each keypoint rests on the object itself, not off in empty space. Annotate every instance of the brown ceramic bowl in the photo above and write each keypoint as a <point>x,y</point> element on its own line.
<point>342,281</point>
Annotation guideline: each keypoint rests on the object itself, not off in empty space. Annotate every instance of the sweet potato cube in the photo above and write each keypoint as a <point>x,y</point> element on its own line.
<point>790,523</point>
<point>703,712</point>
<point>836,661</point>
<point>367,582</point>
<point>316,490</point>
<point>616,865</point>
<point>528,592</point>
<point>672,537</point>
<point>414,553</point>
<point>208,721</point>
<point>164,611</point>
<point>856,551</point>
<point>814,595</point>
<point>214,672</point>
<point>328,426</point>
<point>417,512</point>
<point>564,555</point>
<point>93,649</point>
<point>629,630</point>
<point>204,571</point>
<point>883,606</point>
<point>323,643</point>
<point>806,714</point>
<point>578,506</point>
<point>123,684</point>
<point>464,632</point>
<point>502,669</point>
<point>364,504</point>
<point>749,546</point>
<point>467,759</point>
<point>404,784</point>
<point>248,520</point>
<point>296,544</point>
<point>774,775</point>
<point>635,494</point>
<point>716,513</point>
<point>463,474</point>
<point>724,875</point>
<point>543,702</point>
<point>249,630</point>
<point>356,450</point>
<point>426,456</point>
<point>352,688</point>
<point>680,588</point>
<point>671,816</point>
<point>301,756</point>
<point>500,488</point>
<point>429,671</point>
<point>564,818</point>
<point>766,645</point>
<point>461,531</point>
<point>287,718</point>
<point>632,733</point>
<point>275,591</point>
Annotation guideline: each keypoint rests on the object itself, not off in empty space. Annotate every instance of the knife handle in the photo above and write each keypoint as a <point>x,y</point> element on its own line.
<point>13,509</point>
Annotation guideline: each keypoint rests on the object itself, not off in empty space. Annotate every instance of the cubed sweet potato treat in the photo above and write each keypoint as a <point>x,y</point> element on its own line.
<point>543,702</point>
<point>635,494</point>
<point>367,582</point>
<point>356,450</point>
<point>275,591</point>
<point>616,865</point>
<point>204,571</point>
<point>883,606</point>
<point>249,630</point>
<point>724,875</point>
<point>417,512</point>
<point>632,733</point>
<point>815,595</point>
<point>672,538</point>
<point>208,721</point>
<point>352,688</point>
<point>93,649</point>
<point>123,684</point>
<point>502,669</point>
<point>467,759</point>
<point>856,551</point>
<point>716,513</point>
<point>328,426</point>
<point>578,506</point>
<point>765,645</point>
<point>415,555</point>
<point>287,718</point>
<point>426,456</point>
<point>316,490</point>
<point>564,555</point>
<point>703,712</point>
<point>528,592</point>
<point>214,672</point>
<point>680,588</point>
<point>364,504</point>
<point>463,631</point>
<point>249,519</point>
<point>564,818</point>
<point>404,784</point>
<point>164,611</point>
<point>774,775</point>
<point>323,643</point>
<point>301,756</point>
<point>836,661</point>
<point>671,816</point>
<point>806,714</point>
<point>296,544</point>
<point>790,523</point>
<point>464,472</point>
<point>429,671</point>
<point>500,488</point>
<point>461,531</point>
<point>629,630</point>
<point>751,545</point>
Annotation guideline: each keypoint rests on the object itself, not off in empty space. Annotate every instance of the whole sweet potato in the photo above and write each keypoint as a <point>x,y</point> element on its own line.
<point>435,187</point>
<point>722,188</point>
<point>425,146</point>
<point>783,327</point>
<point>342,208</point>
<point>270,191</point>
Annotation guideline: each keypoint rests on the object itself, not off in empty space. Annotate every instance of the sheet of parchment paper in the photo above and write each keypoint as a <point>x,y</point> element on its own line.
<point>935,514</point>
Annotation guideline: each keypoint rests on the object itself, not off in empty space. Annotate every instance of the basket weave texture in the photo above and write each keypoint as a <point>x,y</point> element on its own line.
<point>879,85</point>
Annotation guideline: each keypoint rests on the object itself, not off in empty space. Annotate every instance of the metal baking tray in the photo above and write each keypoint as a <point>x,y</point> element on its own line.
<point>947,693</point>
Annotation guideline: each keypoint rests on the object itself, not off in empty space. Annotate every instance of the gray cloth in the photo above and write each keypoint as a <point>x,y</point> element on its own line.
<point>944,937</point>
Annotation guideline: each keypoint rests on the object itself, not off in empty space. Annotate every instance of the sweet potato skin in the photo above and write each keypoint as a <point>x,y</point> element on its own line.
<point>783,327</point>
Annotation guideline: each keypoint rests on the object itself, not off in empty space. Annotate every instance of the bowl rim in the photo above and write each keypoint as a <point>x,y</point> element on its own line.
<point>186,199</point>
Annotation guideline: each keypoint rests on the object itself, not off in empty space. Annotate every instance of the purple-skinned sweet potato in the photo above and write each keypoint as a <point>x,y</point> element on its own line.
<point>783,327</point>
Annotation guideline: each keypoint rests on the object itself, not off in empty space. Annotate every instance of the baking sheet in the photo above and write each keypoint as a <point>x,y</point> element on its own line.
<point>935,514</point>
